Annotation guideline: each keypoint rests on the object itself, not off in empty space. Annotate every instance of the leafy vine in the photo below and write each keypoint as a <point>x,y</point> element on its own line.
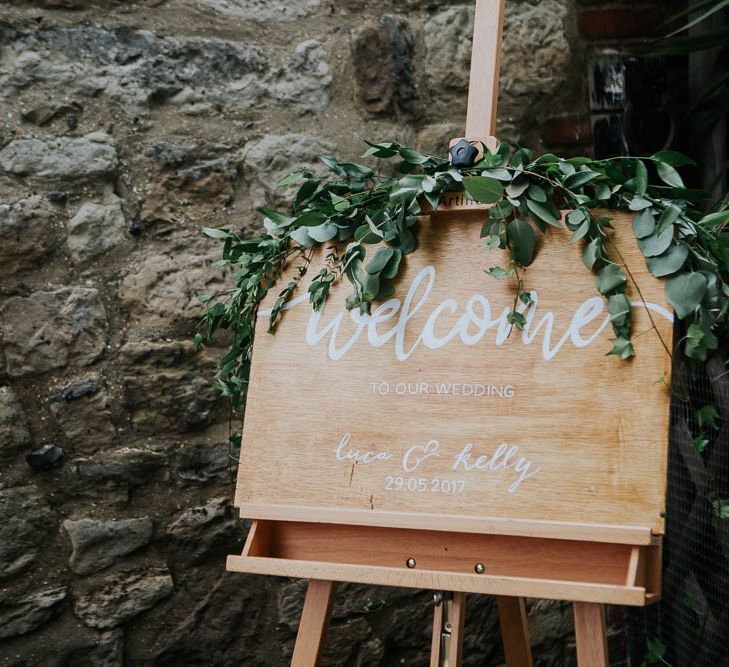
<point>370,223</point>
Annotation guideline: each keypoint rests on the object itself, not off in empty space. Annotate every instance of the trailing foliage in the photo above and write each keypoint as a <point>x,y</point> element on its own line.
<point>369,224</point>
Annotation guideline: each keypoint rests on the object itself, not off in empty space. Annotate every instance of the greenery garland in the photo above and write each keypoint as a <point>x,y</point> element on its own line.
<point>377,219</point>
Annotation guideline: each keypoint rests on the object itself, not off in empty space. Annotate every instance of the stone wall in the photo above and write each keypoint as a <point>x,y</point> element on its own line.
<point>124,127</point>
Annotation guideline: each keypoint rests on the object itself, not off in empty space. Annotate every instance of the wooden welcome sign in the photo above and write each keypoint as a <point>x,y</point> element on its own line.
<point>432,445</point>
<point>434,413</point>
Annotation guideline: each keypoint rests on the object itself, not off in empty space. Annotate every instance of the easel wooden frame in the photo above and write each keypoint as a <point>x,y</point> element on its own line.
<point>605,564</point>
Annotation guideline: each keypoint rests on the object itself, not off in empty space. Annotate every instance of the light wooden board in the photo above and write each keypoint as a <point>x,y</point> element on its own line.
<point>587,433</point>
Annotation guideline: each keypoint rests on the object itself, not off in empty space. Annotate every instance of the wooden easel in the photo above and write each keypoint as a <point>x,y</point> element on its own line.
<point>557,560</point>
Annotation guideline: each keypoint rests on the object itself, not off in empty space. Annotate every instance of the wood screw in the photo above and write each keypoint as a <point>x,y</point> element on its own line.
<point>411,563</point>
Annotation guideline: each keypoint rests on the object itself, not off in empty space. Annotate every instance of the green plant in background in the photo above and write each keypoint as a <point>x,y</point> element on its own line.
<point>699,28</point>
<point>369,225</point>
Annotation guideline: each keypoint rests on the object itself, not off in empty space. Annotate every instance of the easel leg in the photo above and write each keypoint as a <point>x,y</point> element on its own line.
<point>514,631</point>
<point>448,620</point>
<point>314,623</point>
<point>591,635</point>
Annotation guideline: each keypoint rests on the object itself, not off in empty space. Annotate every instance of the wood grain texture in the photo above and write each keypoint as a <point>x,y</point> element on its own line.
<point>530,567</point>
<point>591,635</point>
<point>483,90</point>
<point>514,631</point>
<point>595,426</point>
<point>314,623</point>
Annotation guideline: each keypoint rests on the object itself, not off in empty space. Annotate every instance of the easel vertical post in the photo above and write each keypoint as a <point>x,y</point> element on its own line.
<point>448,622</point>
<point>483,92</point>
<point>590,634</point>
<point>514,631</point>
<point>314,623</point>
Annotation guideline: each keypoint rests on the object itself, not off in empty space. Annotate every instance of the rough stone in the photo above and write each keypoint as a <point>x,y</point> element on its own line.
<point>64,158</point>
<point>535,57</point>
<point>303,79</point>
<point>27,234</point>
<point>51,329</point>
<point>144,70</point>
<point>536,53</point>
<point>27,524</point>
<point>30,612</point>
<point>220,627</point>
<point>163,292</point>
<point>201,532</point>
<point>96,229</point>
<point>434,139</point>
<point>14,433</point>
<point>269,159</point>
<point>99,544</point>
<point>122,597</point>
<point>188,180</point>
<point>384,75</point>
<point>167,386</point>
<point>82,409</point>
<point>448,36</point>
<point>124,468</point>
<point>202,463</point>
<point>262,10</point>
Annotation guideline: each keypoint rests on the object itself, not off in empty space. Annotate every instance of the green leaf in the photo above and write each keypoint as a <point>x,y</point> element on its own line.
<point>715,219</point>
<point>707,416</point>
<point>340,203</point>
<point>620,309</point>
<point>310,219</point>
<point>499,174</point>
<point>657,243</point>
<point>543,213</point>
<point>700,443</point>
<point>622,348</point>
<point>669,262</point>
<point>639,203</point>
<point>669,175</point>
<point>580,178</point>
<point>412,156</point>
<point>483,189</point>
<point>644,223</point>
<point>380,260</point>
<point>277,218</point>
<point>668,217</point>
<point>217,233</point>
<point>301,236</point>
<point>499,273</point>
<point>673,158</point>
<point>609,279</point>
<point>641,178</point>
<point>537,194</point>
<point>393,266</point>
<point>521,237</point>
<point>590,253</point>
<point>323,233</point>
<point>197,342</point>
<point>685,292</point>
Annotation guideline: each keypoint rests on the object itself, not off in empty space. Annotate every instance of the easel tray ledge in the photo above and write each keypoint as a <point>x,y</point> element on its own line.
<point>512,566</point>
<point>559,530</point>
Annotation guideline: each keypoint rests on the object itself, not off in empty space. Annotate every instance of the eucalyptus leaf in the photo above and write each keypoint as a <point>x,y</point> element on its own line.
<point>521,236</point>
<point>609,279</point>
<point>685,292</point>
<point>380,260</point>
<point>669,262</point>
<point>301,236</point>
<point>644,223</point>
<point>543,213</point>
<point>657,243</point>
<point>482,189</point>
<point>323,233</point>
<point>669,175</point>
